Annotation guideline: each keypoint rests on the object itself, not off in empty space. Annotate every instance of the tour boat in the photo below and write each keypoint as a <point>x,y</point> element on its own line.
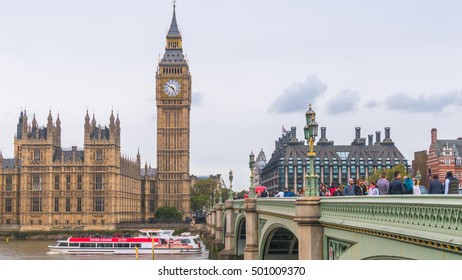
<point>164,242</point>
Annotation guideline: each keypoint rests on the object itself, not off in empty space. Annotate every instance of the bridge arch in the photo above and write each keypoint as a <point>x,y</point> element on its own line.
<point>278,242</point>
<point>239,235</point>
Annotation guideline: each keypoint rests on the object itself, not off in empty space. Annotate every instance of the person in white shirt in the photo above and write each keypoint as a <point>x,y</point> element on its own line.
<point>280,194</point>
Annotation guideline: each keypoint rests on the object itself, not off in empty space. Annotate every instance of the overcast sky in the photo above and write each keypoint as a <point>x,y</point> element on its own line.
<point>256,66</point>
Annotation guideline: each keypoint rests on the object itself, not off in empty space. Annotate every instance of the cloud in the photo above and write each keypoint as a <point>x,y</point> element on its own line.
<point>344,101</point>
<point>372,104</point>
<point>197,99</point>
<point>296,97</point>
<point>423,103</point>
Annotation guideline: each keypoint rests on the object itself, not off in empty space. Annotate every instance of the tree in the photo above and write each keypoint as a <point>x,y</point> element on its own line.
<point>205,191</point>
<point>202,192</point>
<point>390,173</point>
<point>168,214</point>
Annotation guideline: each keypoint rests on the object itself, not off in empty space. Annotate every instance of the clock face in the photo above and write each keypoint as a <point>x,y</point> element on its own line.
<point>172,88</point>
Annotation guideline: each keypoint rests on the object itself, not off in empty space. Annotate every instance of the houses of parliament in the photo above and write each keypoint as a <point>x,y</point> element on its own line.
<point>46,186</point>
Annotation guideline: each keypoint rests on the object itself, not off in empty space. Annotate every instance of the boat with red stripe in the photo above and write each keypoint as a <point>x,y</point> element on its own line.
<point>163,241</point>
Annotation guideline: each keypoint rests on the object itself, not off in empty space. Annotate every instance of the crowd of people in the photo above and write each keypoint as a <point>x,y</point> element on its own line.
<point>399,185</point>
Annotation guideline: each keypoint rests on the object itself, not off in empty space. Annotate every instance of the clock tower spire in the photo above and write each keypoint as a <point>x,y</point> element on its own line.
<point>173,100</point>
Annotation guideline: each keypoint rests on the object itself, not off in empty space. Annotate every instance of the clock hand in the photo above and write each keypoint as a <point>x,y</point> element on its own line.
<point>172,88</point>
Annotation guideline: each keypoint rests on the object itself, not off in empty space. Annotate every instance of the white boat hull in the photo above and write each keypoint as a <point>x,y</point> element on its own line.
<point>124,251</point>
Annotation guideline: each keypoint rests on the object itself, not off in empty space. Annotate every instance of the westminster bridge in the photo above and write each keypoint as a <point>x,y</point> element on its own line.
<point>345,228</point>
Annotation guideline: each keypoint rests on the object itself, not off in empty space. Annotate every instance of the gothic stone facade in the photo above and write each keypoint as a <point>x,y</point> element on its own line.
<point>47,187</point>
<point>173,99</point>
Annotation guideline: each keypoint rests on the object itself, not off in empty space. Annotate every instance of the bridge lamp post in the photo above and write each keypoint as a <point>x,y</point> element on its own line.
<point>311,131</point>
<point>252,166</point>
<point>220,200</point>
<point>230,195</point>
<point>418,177</point>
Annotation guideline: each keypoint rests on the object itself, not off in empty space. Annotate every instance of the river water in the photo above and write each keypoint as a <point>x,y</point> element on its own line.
<point>38,250</point>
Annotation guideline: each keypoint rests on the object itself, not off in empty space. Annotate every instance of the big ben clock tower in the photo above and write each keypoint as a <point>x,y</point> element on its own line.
<point>173,99</point>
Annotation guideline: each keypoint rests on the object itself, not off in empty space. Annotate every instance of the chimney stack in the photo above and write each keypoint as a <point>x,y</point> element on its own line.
<point>323,133</point>
<point>387,133</point>
<point>377,138</point>
<point>293,134</point>
<point>371,139</point>
<point>434,136</point>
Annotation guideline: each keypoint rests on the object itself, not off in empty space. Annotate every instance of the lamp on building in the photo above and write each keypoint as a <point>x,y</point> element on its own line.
<point>252,167</point>
<point>418,177</point>
<point>311,131</point>
<point>230,185</point>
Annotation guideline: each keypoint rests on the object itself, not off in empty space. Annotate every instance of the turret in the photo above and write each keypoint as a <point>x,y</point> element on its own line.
<point>57,131</point>
<point>50,119</point>
<point>138,158</point>
<point>117,131</point>
<point>19,130</point>
<point>93,122</point>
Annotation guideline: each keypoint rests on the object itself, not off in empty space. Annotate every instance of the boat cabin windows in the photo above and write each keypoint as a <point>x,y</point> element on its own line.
<point>104,245</point>
<point>63,244</point>
<point>87,245</point>
<point>133,245</point>
<point>185,241</point>
<point>122,245</point>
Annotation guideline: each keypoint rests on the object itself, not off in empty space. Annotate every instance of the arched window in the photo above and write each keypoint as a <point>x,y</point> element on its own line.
<point>99,156</point>
<point>36,155</point>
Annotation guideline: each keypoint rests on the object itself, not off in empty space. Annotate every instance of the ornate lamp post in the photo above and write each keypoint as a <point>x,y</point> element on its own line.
<point>252,166</point>
<point>230,197</point>
<point>418,177</point>
<point>311,131</point>
<point>220,199</point>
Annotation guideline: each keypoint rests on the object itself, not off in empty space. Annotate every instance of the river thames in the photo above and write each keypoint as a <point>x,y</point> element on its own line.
<point>38,250</point>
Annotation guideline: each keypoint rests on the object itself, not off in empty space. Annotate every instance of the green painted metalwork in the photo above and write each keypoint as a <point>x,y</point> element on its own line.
<point>336,248</point>
<point>425,220</point>
<point>427,223</point>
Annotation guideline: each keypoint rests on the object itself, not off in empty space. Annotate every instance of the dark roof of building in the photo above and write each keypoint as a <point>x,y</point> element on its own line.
<point>288,148</point>
<point>173,56</point>
<point>173,31</point>
<point>10,163</point>
<point>455,145</point>
<point>69,155</point>
<point>100,133</point>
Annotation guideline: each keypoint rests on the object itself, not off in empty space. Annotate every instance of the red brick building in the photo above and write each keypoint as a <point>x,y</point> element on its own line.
<point>444,155</point>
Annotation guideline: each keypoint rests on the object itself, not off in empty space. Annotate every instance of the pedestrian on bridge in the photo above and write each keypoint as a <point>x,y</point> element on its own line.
<point>350,188</point>
<point>373,190</point>
<point>383,184</point>
<point>396,187</point>
<point>451,184</point>
<point>436,187</point>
